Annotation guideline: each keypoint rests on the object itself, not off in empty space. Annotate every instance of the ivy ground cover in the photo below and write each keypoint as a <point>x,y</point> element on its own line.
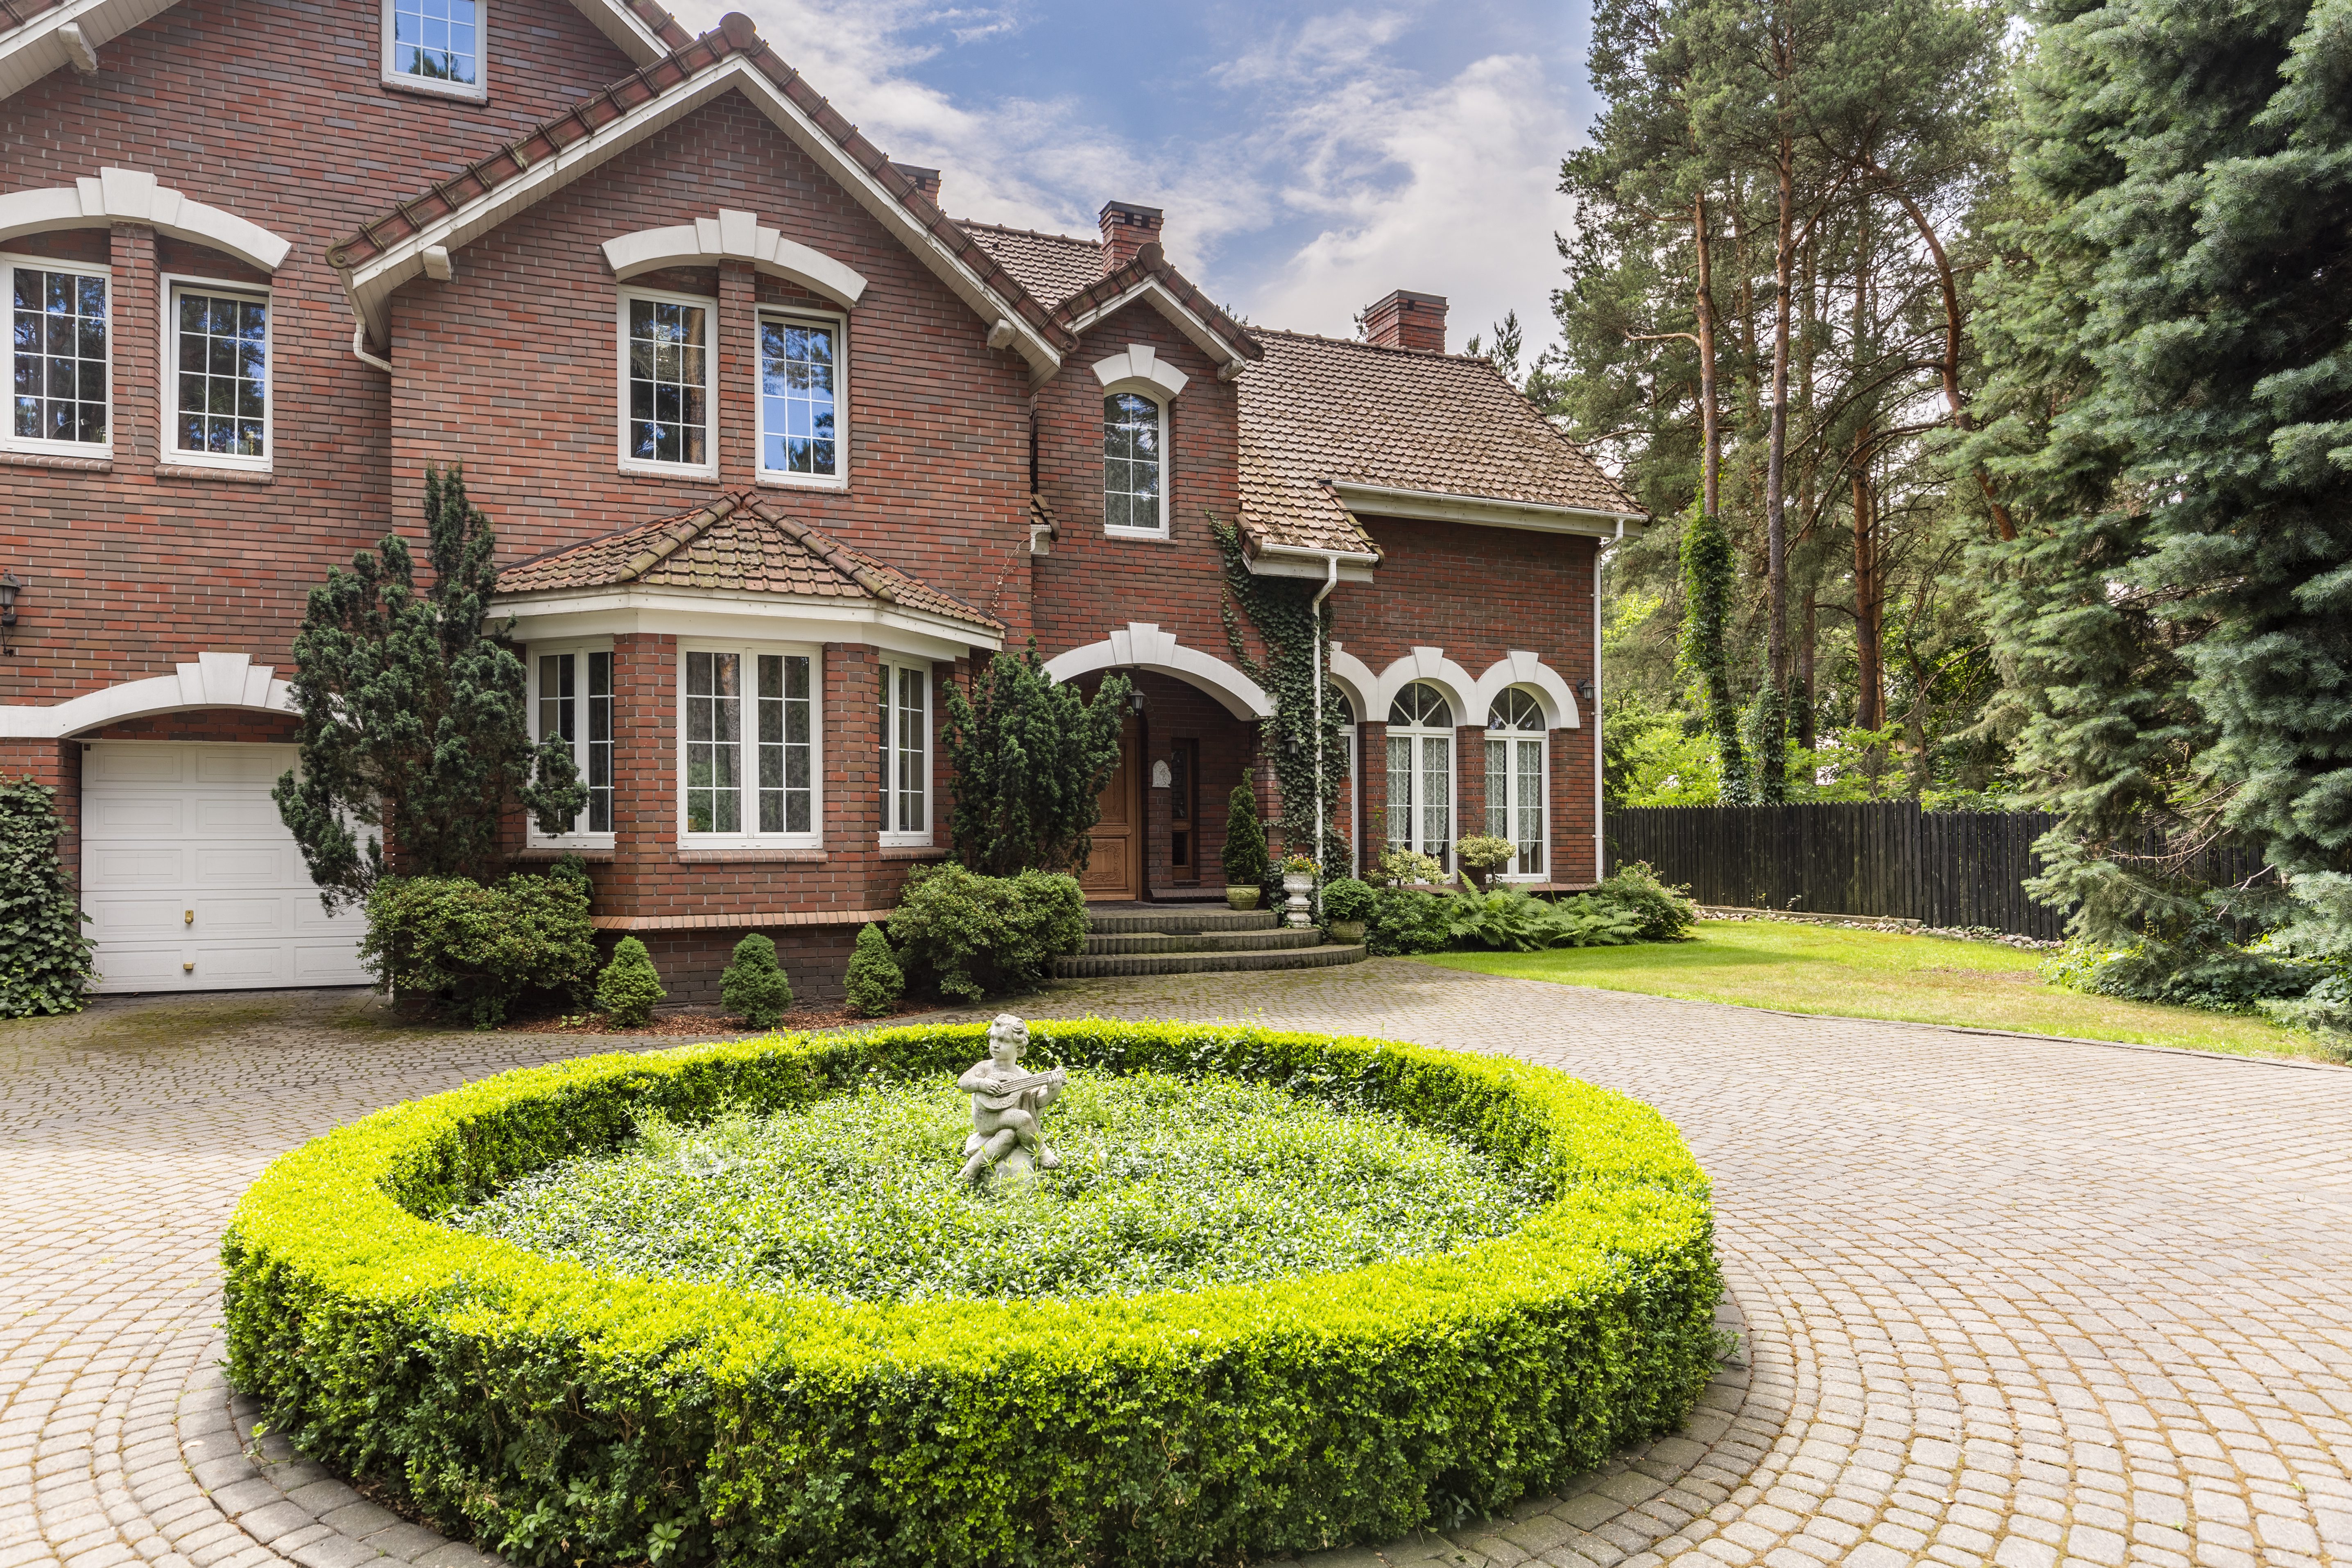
<point>559,1412</point>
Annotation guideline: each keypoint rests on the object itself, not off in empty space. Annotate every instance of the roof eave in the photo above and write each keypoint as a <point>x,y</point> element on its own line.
<point>1487,511</point>
<point>567,610</point>
<point>1232,354</point>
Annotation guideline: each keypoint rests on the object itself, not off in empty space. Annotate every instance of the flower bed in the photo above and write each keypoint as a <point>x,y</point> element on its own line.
<point>561,1415</point>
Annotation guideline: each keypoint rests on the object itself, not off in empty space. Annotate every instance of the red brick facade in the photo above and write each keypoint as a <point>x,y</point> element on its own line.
<point>136,562</point>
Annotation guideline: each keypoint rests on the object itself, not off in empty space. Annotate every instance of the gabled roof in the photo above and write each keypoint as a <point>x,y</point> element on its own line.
<point>389,250</point>
<point>1068,274</point>
<point>741,543</point>
<point>1323,420</point>
<point>36,36</point>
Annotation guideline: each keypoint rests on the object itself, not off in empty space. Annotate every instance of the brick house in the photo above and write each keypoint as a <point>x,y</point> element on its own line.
<point>774,449</point>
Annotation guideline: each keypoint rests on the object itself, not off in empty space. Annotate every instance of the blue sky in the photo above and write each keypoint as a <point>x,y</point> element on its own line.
<point>1311,158</point>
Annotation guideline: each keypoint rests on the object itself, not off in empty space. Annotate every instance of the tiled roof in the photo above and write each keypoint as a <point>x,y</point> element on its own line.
<point>1315,410</point>
<point>734,37</point>
<point>1053,267</point>
<point>14,14</point>
<point>737,542</point>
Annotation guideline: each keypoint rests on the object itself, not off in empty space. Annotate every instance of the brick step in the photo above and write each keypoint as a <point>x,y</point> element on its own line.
<point>1205,942</point>
<point>1095,966</point>
<point>1138,919</point>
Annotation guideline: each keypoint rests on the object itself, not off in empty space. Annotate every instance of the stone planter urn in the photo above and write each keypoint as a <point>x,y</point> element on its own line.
<point>1301,888</point>
<point>1346,933</point>
<point>1240,899</point>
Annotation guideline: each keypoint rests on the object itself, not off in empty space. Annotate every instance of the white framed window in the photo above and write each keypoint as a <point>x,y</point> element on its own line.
<point>748,748</point>
<point>906,754</point>
<point>571,697</point>
<point>1348,736</point>
<point>217,408</point>
<point>669,396</point>
<point>804,400</point>
<point>436,46</point>
<point>1517,779</point>
<point>1135,465</point>
<point>1421,773</point>
<point>57,359</point>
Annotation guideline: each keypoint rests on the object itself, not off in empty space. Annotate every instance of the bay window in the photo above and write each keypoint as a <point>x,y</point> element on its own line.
<point>747,747</point>
<point>572,701</point>
<point>906,754</point>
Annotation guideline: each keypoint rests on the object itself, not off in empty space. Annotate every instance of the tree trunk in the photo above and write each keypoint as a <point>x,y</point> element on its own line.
<point>1803,691</point>
<point>1776,461</point>
<point>1711,449</point>
<point>1869,679</point>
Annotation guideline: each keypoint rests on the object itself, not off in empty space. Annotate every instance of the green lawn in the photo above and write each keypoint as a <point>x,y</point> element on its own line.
<point>1880,974</point>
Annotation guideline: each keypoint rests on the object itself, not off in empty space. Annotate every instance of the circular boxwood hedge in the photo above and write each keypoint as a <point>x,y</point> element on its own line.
<point>567,1416</point>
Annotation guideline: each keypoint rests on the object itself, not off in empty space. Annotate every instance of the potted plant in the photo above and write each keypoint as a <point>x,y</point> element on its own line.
<point>1482,856</point>
<point>1347,905</point>
<point>1245,853</point>
<point>1298,888</point>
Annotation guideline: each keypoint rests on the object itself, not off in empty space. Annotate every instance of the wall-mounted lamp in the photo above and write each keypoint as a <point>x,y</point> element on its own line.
<point>1135,701</point>
<point>1584,691</point>
<point>9,589</point>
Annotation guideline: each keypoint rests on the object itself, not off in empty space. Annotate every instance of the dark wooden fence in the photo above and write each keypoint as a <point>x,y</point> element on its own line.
<point>1877,858</point>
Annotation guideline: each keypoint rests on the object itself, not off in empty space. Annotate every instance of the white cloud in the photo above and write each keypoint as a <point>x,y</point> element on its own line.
<point>1329,172</point>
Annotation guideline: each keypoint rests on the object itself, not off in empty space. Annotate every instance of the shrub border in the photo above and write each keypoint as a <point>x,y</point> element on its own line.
<point>561,1415</point>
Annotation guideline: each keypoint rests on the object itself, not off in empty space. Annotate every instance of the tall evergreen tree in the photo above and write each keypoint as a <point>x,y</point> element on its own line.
<point>414,722</point>
<point>2171,402</point>
<point>1031,757</point>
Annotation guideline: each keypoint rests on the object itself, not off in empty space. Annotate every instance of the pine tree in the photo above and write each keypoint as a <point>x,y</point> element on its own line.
<point>1031,757</point>
<point>413,715</point>
<point>2171,352</point>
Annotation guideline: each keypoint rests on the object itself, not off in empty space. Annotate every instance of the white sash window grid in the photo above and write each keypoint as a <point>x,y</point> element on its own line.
<point>55,358</point>
<point>1516,779</point>
<point>748,748</point>
<point>572,701</point>
<point>1420,773</point>
<point>906,754</point>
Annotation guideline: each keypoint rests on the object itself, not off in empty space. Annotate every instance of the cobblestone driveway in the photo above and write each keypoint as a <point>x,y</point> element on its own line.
<point>2008,1300</point>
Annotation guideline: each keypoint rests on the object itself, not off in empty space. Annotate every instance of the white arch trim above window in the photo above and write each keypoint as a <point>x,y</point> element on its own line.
<point>1429,664</point>
<point>214,680</point>
<point>1352,676</point>
<point>1141,644</point>
<point>734,237</point>
<point>1140,369</point>
<point>132,195</point>
<point>1522,669</point>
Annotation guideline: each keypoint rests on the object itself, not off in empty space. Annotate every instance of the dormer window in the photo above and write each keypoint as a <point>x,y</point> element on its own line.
<point>434,46</point>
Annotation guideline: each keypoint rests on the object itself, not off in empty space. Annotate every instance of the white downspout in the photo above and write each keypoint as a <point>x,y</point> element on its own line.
<point>1330,581</point>
<point>359,347</point>
<point>1600,835</point>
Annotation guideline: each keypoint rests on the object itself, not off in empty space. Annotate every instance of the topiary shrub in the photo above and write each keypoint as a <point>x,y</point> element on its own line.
<point>45,967</point>
<point>875,981</point>
<point>753,987</point>
<point>976,936</point>
<point>557,1413</point>
<point>1243,856</point>
<point>630,985</point>
<point>474,949</point>
<point>1347,899</point>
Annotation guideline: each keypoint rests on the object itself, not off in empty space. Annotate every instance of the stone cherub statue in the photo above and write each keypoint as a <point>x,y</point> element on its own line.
<point>1005,1102</point>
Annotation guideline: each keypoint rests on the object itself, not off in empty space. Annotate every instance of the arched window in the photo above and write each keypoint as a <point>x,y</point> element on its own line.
<point>1421,773</point>
<point>1350,814</point>
<point>1516,778</point>
<point>1135,488</point>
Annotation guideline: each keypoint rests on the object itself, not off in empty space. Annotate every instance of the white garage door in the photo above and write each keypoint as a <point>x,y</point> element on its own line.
<point>191,881</point>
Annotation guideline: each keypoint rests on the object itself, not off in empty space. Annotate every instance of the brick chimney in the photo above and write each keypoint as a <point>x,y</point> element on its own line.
<point>926,180</point>
<point>1126,229</point>
<point>1404,319</point>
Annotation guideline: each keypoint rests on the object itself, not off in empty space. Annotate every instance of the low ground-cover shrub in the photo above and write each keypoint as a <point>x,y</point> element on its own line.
<point>562,1414</point>
<point>1629,907</point>
<point>45,965</point>
<point>476,949</point>
<point>1163,1184</point>
<point>972,936</point>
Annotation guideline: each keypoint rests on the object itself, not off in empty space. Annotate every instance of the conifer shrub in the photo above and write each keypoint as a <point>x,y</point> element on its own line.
<point>556,1413</point>
<point>1346,899</point>
<point>630,985</point>
<point>473,949</point>
<point>45,966</point>
<point>754,986</point>
<point>1243,856</point>
<point>972,936</point>
<point>875,981</point>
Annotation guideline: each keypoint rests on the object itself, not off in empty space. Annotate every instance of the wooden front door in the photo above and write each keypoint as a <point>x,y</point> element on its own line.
<point>1115,867</point>
<point>1183,811</point>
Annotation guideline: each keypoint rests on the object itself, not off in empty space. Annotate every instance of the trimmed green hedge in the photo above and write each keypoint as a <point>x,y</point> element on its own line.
<point>566,1416</point>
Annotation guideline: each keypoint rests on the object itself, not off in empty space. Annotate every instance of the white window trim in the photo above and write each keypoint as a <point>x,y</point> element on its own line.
<point>709,468</point>
<point>9,440</point>
<point>168,401</point>
<point>579,838</point>
<point>748,740</point>
<point>479,93</point>
<point>891,839</point>
<point>839,479</point>
<point>1158,399</point>
<point>1512,871</point>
